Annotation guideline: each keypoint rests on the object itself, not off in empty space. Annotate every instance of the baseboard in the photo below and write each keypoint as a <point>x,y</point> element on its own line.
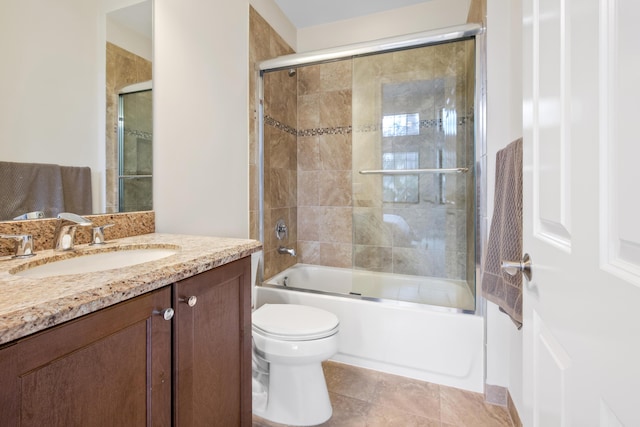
<point>513,412</point>
<point>497,395</point>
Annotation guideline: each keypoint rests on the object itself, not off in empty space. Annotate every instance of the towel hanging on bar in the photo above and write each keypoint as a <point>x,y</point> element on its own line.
<point>505,237</point>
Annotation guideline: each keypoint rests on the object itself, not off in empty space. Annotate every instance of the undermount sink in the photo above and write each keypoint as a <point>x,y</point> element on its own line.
<point>94,262</point>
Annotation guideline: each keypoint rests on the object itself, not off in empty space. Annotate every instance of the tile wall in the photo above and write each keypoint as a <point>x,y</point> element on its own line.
<point>325,205</point>
<point>323,125</point>
<point>280,201</point>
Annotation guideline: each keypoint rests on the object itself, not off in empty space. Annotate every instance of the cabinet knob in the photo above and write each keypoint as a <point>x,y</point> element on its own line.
<point>191,301</point>
<point>167,313</point>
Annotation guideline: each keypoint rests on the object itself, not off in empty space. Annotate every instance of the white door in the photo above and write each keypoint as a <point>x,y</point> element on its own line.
<point>581,69</point>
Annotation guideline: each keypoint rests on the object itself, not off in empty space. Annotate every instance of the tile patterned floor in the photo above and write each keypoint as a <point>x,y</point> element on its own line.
<point>362,397</point>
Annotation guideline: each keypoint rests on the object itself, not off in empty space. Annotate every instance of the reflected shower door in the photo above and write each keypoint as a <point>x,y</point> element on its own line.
<point>135,142</point>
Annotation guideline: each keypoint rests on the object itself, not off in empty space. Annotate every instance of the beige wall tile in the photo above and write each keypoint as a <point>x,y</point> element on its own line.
<point>308,153</point>
<point>334,188</point>
<point>309,252</point>
<point>309,80</point>
<point>308,189</point>
<point>336,76</point>
<point>374,258</point>
<point>336,225</point>
<point>335,152</point>
<point>369,227</point>
<point>309,223</point>
<point>336,255</point>
<point>335,108</point>
<point>308,111</point>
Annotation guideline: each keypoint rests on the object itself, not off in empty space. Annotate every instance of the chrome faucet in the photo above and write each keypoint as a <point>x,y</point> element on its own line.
<point>24,244</point>
<point>66,230</point>
<point>283,250</point>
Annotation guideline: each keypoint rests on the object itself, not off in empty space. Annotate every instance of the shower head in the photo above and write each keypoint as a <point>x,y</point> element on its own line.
<point>292,72</point>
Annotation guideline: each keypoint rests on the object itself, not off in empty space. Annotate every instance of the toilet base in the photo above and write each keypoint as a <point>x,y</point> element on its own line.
<point>298,395</point>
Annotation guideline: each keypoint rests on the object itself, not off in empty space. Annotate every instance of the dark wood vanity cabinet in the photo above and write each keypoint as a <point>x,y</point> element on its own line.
<point>212,345</point>
<point>127,366</point>
<point>108,368</point>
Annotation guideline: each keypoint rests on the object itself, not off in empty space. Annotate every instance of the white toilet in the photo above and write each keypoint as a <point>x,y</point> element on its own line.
<point>289,343</point>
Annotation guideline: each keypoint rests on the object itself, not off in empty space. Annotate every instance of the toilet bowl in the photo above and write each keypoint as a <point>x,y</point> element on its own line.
<point>289,343</point>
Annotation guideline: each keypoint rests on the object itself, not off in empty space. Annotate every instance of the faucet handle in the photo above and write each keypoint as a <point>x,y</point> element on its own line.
<point>24,244</point>
<point>30,215</point>
<point>97,234</point>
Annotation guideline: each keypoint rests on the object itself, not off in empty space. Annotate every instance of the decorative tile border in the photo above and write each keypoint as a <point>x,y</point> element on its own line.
<point>424,124</point>
<point>139,133</point>
<point>343,130</point>
<point>270,121</point>
<point>340,130</point>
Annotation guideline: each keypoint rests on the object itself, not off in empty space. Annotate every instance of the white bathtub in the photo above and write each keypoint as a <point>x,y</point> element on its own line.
<point>436,344</point>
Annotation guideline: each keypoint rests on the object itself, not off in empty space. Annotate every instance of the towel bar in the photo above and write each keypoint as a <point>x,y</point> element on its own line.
<point>411,171</point>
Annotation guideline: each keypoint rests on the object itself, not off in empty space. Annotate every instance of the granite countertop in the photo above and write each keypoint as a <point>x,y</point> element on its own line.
<point>29,304</point>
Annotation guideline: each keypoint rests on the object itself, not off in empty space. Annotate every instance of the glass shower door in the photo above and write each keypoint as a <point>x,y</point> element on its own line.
<point>135,141</point>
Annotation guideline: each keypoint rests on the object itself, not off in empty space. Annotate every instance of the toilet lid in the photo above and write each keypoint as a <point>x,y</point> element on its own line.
<point>294,322</point>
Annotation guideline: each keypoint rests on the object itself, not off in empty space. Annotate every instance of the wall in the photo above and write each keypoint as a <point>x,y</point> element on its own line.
<point>504,115</point>
<point>325,207</point>
<point>324,195</point>
<point>201,74</point>
<point>280,200</point>
<point>344,219</point>
<point>419,17</point>
<point>269,11</point>
<point>52,84</point>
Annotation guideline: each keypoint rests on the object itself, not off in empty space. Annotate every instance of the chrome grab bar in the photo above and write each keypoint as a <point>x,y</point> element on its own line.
<point>412,171</point>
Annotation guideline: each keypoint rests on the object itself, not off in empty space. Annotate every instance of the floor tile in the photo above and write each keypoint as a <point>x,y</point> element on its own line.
<point>368,398</point>
<point>408,395</point>
<point>463,408</point>
<point>347,412</point>
<point>350,381</point>
<point>383,416</point>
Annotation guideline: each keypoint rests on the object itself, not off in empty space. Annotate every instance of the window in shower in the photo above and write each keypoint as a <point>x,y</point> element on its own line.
<point>401,124</point>
<point>400,188</point>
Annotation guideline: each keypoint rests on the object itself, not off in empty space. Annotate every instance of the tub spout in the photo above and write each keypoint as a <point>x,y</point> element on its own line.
<point>283,250</point>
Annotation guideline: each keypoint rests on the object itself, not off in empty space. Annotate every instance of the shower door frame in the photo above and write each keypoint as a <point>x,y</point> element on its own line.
<point>121,175</point>
<point>414,40</point>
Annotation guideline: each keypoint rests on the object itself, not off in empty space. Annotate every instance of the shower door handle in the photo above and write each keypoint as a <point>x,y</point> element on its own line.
<point>524,266</point>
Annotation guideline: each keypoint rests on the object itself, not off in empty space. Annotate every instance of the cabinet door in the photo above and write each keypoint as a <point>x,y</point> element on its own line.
<point>212,339</point>
<point>108,368</point>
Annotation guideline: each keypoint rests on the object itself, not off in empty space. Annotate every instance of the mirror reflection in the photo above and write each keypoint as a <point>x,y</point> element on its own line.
<point>56,116</point>
<point>129,109</point>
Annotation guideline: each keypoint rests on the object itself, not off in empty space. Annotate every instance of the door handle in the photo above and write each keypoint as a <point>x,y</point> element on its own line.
<point>524,266</point>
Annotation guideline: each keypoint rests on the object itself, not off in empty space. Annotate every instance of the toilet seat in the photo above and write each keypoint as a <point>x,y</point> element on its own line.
<point>293,322</point>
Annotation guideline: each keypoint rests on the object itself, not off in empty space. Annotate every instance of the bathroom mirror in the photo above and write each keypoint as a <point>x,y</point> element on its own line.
<point>54,108</point>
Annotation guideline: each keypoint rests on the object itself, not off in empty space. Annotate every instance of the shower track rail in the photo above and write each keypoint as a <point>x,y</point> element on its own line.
<point>411,171</point>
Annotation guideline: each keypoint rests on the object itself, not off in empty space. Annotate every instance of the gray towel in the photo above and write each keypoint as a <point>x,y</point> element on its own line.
<point>27,187</point>
<point>505,237</point>
<point>76,184</point>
